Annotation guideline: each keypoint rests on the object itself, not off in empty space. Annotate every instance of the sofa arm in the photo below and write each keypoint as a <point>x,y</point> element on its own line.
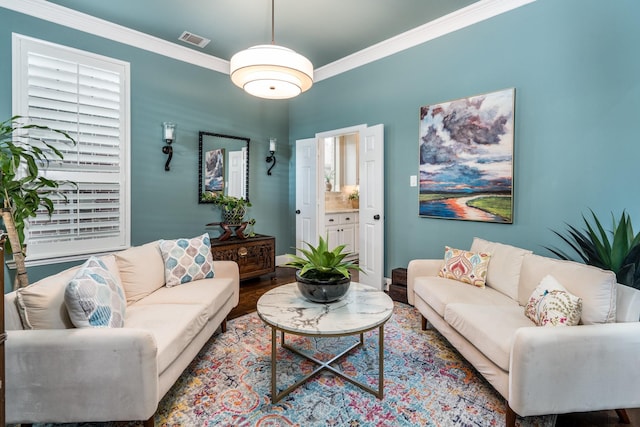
<point>226,269</point>
<point>556,370</point>
<point>229,269</point>
<point>88,374</point>
<point>419,268</point>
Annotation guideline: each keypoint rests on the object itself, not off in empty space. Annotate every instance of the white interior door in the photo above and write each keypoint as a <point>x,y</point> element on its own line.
<point>372,206</point>
<point>236,177</point>
<point>306,192</point>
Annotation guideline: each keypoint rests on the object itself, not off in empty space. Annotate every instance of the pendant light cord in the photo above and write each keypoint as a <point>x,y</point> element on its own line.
<point>273,31</point>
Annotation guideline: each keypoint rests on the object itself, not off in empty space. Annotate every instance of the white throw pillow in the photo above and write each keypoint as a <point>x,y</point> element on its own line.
<point>186,260</point>
<point>595,286</point>
<point>551,304</point>
<point>95,298</point>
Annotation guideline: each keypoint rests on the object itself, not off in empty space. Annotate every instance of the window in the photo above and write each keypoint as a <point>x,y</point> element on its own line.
<point>87,96</point>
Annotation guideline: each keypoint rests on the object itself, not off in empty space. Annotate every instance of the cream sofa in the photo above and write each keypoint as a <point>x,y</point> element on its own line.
<point>538,369</point>
<point>58,373</point>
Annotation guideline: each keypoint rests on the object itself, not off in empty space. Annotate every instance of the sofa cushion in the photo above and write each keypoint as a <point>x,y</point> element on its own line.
<point>551,305</point>
<point>438,292</point>
<point>173,325</point>
<point>596,287</point>
<point>41,304</point>
<point>503,272</point>
<point>464,266</point>
<point>213,293</point>
<point>94,298</point>
<point>141,270</point>
<point>186,260</point>
<point>489,328</point>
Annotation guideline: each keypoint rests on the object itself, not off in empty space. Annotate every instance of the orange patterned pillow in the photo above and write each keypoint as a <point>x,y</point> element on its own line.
<point>464,266</point>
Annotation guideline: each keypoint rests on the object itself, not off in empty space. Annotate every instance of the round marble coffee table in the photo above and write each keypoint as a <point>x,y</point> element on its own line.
<point>363,308</point>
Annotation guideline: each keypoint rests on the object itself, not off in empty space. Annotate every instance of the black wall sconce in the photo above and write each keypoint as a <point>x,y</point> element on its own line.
<point>271,158</point>
<point>168,135</point>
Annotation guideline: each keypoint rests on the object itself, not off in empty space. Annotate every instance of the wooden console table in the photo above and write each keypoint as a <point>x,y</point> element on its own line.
<point>255,256</point>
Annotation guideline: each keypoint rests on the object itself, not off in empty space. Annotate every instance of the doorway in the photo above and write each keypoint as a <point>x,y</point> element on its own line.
<point>326,176</point>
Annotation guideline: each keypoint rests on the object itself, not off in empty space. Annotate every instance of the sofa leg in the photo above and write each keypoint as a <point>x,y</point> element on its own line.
<point>223,326</point>
<point>623,416</point>
<point>424,323</point>
<point>150,422</point>
<point>510,418</point>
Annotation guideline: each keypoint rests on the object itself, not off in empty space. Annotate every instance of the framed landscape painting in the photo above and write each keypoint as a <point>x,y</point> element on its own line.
<point>466,158</point>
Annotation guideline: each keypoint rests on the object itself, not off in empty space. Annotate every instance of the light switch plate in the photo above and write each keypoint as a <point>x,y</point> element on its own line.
<point>413,180</point>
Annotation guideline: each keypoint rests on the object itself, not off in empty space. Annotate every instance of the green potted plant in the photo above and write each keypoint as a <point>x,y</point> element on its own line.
<point>250,230</point>
<point>233,208</point>
<point>621,254</point>
<point>323,275</point>
<point>328,176</point>
<point>23,190</point>
<point>355,199</point>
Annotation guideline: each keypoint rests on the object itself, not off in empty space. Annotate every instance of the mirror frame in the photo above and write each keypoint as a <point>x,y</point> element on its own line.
<point>241,140</point>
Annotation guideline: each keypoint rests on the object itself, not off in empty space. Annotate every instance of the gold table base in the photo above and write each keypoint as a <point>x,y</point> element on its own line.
<point>277,396</point>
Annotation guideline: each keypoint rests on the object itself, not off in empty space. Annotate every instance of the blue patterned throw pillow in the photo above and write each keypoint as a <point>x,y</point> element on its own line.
<point>95,298</point>
<point>186,260</point>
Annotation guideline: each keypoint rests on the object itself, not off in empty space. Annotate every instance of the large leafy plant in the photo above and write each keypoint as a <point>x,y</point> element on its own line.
<point>321,263</point>
<point>23,190</point>
<point>617,250</point>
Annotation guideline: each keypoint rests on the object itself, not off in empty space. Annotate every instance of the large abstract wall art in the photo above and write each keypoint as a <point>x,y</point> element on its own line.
<point>466,158</point>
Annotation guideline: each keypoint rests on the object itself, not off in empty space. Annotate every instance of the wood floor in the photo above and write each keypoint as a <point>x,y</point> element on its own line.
<point>251,290</point>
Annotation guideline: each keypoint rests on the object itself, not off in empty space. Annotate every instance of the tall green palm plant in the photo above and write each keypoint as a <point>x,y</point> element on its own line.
<point>23,190</point>
<point>593,246</point>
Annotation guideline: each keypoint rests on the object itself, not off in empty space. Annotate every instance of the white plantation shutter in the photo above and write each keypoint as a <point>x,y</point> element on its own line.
<point>86,96</point>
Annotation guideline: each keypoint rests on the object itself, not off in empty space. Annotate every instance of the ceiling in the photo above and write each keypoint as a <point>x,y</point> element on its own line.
<point>323,30</point>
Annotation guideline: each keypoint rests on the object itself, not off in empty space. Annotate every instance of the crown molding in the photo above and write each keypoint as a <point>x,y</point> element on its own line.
<point>472,14</point>
<point>99,27</point>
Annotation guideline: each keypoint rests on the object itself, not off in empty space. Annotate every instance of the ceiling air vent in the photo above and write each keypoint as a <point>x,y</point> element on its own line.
<point>194,39</point>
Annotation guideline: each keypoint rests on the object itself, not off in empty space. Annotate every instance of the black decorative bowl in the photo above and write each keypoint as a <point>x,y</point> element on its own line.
<point>323,291</point>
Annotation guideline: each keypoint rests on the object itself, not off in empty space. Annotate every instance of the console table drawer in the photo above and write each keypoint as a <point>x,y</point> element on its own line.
<point>255,256</point>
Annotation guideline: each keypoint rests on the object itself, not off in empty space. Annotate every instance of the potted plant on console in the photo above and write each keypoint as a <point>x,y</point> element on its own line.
<point>323,276</point>
<point>233,208</point>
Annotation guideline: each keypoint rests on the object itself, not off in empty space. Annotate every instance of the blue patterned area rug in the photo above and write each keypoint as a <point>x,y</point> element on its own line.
<point>426,382</point>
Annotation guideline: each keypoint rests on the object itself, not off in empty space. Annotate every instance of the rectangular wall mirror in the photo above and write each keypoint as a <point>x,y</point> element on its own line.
<point>223,162</point>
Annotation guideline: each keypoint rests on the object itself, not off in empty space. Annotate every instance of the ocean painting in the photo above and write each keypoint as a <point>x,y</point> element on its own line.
<point>466,158</point>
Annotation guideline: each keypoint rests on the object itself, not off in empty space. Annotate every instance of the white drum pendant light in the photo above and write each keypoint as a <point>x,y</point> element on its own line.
<point>271,71</point>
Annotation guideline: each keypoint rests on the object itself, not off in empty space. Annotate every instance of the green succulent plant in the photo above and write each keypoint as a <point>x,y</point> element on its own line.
<point>322,263</point>
<point>593,246</point>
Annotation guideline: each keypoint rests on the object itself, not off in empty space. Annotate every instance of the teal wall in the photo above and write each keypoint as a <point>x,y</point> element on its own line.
<point>576,70</point>
<point>164,204</point>
<point>573,63</point>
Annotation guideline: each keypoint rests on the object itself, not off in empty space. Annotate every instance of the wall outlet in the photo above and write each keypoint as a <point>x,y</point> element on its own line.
<point>413,181</point>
